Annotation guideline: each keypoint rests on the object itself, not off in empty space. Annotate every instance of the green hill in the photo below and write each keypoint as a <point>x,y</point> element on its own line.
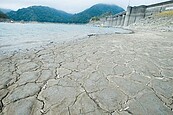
<point>96,10</point>
<point>46,14</point>
<point>40,14</point>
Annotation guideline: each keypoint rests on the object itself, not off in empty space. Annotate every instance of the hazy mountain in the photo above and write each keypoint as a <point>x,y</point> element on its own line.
<point>3,16</point>
<point>5,10</point>
<point>46,14</point>
<point>40,14</point>
<point>96,10</point>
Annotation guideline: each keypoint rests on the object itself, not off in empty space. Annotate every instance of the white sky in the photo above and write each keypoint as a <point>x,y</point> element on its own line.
<point>71,6</point>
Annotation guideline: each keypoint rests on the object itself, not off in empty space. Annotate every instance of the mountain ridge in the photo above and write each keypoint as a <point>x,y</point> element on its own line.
<point>5,10</point>
<point>47,14</point>
<point>96,10</point>
<point>40,14</point>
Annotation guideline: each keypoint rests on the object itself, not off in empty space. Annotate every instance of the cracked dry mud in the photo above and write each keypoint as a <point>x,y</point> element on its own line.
<point>102,75</point>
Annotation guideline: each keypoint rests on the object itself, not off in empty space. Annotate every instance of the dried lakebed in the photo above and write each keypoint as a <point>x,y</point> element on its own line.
<point>103,75</point>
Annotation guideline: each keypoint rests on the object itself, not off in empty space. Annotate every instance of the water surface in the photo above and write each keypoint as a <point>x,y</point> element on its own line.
<point>18,36</point>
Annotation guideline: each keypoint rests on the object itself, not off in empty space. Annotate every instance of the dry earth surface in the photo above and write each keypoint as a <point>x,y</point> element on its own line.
<point>118,74</point>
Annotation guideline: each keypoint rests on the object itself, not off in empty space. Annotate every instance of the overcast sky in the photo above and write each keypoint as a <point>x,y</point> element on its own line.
<point>71,6</point>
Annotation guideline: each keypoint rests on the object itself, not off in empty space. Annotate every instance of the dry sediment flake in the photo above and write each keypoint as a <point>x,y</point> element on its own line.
<point>163,89</point>
<point>27,77</point>
<point>45,75</point>
<point>59,97</point>
<point>148,103</point>
<point>85,105</point>
<point>21,92</point>
<point>21,107</point>
<point>5,79</point>
<point>27,67</point>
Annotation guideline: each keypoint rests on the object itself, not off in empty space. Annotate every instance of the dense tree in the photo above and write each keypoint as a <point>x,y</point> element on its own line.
<point>40,14</point>
<point>96,10</point>
<point>3,16</point>
<point>46,14</point>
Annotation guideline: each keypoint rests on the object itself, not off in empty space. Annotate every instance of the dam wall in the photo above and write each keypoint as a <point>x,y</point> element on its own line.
<point>136,13</point>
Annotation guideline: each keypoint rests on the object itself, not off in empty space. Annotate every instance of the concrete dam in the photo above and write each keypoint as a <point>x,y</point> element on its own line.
<point>134,14</point>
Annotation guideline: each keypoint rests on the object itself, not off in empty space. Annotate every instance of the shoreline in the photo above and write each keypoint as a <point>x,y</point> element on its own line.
<point>124,31</point>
